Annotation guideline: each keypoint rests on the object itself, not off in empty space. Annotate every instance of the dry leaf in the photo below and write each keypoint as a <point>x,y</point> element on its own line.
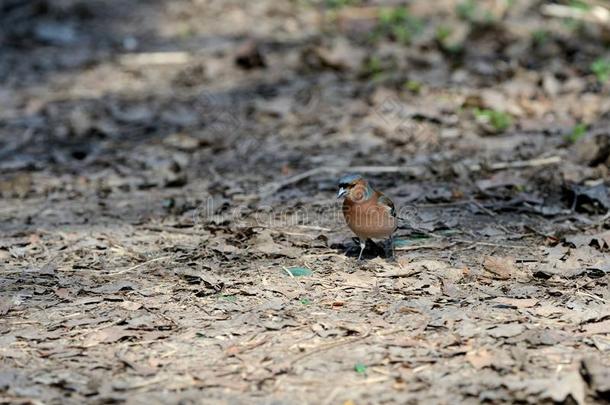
<point>501,267</point>
<point>507,330</point>
<point>569,385</point>
<point>480,358</point>
<point>597,328</point>
<point>516,302</point>
<point>108,335</point>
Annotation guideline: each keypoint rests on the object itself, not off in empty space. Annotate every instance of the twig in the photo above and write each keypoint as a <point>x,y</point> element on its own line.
<point>596,14</point>
<point>417,247</point>
<point>278,185</point>
<point>288,272</point>
<point>473,243</point>
<point>14,148</point>
<point>314,228</point>
<point>591,296</point>
<point>518,164</point>
<point>446,204</point>
<point>172,230</point>
<point>139,265</point>
<point>400,273</point>
<point>156,58</point>
<point>328,347</point>
<point>484,209</point>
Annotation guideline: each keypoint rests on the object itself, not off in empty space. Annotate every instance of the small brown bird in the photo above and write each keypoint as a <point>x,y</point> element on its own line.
<point>368,213</point>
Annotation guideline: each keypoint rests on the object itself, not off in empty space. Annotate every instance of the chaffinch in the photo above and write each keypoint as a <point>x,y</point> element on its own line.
<point>368,213</point>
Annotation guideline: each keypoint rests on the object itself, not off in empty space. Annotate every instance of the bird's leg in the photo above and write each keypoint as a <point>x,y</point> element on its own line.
<point>362,246</point>
<point>389,251</point>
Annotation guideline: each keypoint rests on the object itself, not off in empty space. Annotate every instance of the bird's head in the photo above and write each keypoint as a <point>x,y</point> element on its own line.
<point>354,187</point>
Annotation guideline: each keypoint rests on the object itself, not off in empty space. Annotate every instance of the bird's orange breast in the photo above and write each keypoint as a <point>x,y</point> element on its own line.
<point>368,219</point>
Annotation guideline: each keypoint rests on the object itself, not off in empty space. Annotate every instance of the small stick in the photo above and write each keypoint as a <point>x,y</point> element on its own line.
<point>156,58</point>
<point>139,265</point>
<point>417,247</point>
<point>171,229</point>
<point>596,14</point>
<point>489,244</point>
<point>288,272</point>
<point>484,209</point>
<point>591,296</point>
<point>278,185</point>
<point>519,164</point>
<point>328,347</point>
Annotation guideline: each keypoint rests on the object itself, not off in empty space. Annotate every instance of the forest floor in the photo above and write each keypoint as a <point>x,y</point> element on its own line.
<point>169,230</point>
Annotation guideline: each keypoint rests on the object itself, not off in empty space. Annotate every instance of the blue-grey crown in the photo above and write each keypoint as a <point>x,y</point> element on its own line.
<point>349,179</point>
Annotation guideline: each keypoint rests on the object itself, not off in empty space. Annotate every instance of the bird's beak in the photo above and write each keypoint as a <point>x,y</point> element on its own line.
<point>342,193</point>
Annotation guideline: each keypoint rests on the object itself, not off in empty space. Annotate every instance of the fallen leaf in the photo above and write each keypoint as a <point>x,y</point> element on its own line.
<point>596,374</point>
<point>502,268</point>
<point>108,335</point>
<point>249,55</point>
<point>569,385</point>
<point>516,302</point>
<point>299,271</point>
<point>480,358</point>
<point>264,243</point>
<point>600,241</point>
<point>507,330</point>
<point>597,328</point>
<point>341,55</point>
<point>130,305</point>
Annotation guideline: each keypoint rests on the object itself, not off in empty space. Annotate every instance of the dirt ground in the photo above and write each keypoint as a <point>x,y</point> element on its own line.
<point>169,231</point>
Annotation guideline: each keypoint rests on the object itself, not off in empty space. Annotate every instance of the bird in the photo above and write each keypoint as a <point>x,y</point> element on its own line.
<point>368,212</point>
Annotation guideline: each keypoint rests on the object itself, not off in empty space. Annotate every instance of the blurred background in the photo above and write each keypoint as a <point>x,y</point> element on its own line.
<point>168,223</point>
<point>101,96</point>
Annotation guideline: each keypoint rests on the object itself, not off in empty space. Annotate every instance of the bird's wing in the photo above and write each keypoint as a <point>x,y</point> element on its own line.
<point>386,202</point>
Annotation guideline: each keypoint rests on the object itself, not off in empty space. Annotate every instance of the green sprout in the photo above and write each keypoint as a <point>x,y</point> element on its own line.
<point>373,67</point>
<point>499,121</point>
<point>577,133</point>
<point>360,368</point>
<point>580,5</point>
<point>444,39</point>
<point>468,10</point>
<point>341,3</point>
<point>443,32</point>
<point>601,69</point>
<point>540,37</point>
<point>398,24</point>
<point>413,86</point>
<point>574,24</point>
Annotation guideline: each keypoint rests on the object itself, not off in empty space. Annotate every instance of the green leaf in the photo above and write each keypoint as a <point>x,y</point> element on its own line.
<point>579,5</point>
<point>398,24</point>
<point>305,301</point>
<point>229,298</point>
<point>541,37</point>
<point>402,242</point>
<point>413,86</point>
<point>500,121</point>
<point>443,32</point>
<point>341,3</point>
<point>601,69</point>
<point>360,368</point>
<point>300,271</point>
<point>577,132</point>
<point>467,10</point>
